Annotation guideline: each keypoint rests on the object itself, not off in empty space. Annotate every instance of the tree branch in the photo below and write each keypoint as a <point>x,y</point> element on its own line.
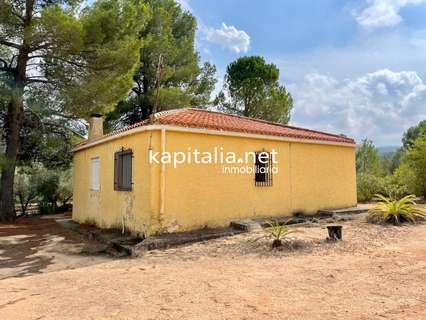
<point>31,80</point>
<point>20,17</point>
<point>5,66</point>
<point>4,62</point>
<point>15,56</point>
<point>41,46</point>
<point>10,44</point>
<point>76,64</point>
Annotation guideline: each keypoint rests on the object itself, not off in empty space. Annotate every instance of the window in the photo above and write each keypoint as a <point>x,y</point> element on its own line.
<point>263,169</point>
<point>123,170</point>
<point>95,174</point>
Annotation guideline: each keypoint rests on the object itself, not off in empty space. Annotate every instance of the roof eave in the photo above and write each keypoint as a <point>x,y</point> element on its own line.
<point>153,127</point>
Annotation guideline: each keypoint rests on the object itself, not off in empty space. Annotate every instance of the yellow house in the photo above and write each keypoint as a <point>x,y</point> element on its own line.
<point>187,169</point>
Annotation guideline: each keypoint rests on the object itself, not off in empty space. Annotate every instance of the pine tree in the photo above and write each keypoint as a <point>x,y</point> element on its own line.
<point>82,60</point>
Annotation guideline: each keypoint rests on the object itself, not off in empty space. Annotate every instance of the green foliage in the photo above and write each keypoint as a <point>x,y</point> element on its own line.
<point>96,70</point>
<point>46,140</point>
<point>3,161</point>
<point>368,159</point>
<point>415,160</point>
<point>170,33</point>
<point>247,75</point>
<point>54,188</point>
<point>79,62</point>
<point>254,91</point>
<point>51,189</point>
<point>413,133</point>
<point>394,186</point>
<point>369,171</point>
<point>47,188</point>
<point>26,183</point>
<point>367,186</point>
<point>388,210</point>
<point>278,232</point>
<point>387,162</point>
<point>85,62</point>
<point>395,161</point>
<point>394,175</point>
<point>65,187</point>
<point>406,177</point>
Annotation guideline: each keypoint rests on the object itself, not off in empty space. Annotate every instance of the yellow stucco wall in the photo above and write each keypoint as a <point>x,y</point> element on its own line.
<point>322,177</point>
<point>310,177</point>
<point>109,208</point>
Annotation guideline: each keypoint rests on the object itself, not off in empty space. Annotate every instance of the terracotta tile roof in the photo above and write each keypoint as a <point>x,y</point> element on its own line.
<point>204,119</point>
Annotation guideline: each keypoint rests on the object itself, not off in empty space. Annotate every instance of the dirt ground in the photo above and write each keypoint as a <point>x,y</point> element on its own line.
<point>374,273</point>
<point>38,244</point>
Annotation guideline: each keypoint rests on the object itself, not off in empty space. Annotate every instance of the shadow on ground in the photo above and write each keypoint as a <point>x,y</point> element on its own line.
<point>39,244</point>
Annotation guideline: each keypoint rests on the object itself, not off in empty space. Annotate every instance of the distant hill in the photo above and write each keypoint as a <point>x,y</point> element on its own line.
<point>387,149</point>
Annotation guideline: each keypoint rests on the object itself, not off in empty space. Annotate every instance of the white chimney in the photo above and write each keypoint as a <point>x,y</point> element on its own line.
<point>96,126</point>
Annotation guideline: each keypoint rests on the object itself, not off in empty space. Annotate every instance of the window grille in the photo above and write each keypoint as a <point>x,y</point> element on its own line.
<point>263,169</point>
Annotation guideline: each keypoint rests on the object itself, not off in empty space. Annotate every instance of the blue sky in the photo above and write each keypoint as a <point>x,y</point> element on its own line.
<point>353,67</point>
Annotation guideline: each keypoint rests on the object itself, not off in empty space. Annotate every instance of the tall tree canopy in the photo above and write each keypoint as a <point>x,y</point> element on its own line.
<point>416,161</point>
<point>252,89</point>
<point>368,159</point>
<point>412,134</point>
<point>170,34</point>
<point>78,62</point>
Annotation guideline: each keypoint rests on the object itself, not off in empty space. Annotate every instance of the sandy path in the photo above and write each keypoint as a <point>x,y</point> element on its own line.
<point>358,279</point>
<point>35,245</point>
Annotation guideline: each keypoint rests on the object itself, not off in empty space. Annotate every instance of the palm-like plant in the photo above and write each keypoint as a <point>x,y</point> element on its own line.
<point>277,232</point>
<point>396,211</point>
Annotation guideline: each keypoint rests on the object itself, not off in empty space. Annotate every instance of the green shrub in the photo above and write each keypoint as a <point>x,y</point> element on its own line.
<point>416,162</point>
<point>367,186</point>
<point>51,189</point>
<point>277,232</point>
<point>394,187</point>
<point>25,187</point>
<point>64,191</point>
<point>47,190</point>
<point>388,210</point>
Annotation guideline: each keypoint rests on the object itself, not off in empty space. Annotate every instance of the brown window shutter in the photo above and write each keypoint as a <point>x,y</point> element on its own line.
<point>123,170</point>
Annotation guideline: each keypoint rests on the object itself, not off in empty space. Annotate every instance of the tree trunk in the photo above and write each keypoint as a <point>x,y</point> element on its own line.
<point>13,128</point>
<point>145,104</point>
<point>14,121</point>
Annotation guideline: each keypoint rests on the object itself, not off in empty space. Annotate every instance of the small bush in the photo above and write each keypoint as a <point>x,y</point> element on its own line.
<point>367,186</point>
<point>394,187</point>
<point>395,211</point>
<point>51,189</point>
<point>277,232</point>
<point>25,187</point>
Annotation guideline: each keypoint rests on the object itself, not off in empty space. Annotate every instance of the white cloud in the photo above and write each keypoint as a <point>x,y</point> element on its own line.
<point>228,37</point>
<point>336,70</point>
<point>396,50</point>
<point>382,13</point>
<point>380,105</point>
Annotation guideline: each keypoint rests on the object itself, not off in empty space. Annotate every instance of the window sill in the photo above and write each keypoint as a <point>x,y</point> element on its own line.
<point>123,189</point>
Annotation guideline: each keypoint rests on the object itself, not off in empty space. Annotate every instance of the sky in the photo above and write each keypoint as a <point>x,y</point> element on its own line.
<point>356,67</point>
